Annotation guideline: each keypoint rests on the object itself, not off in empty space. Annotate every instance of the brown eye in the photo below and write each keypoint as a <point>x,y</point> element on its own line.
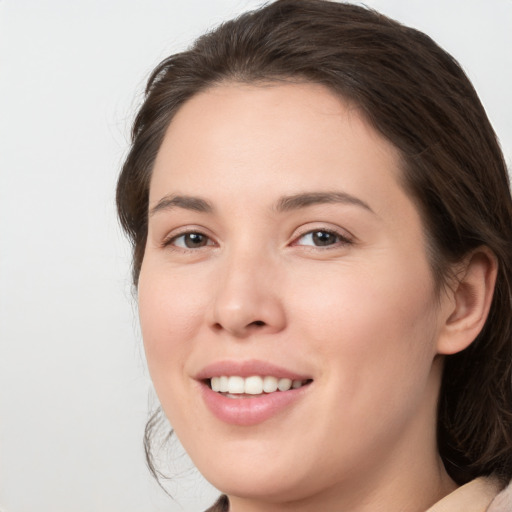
<point>321,238</point>
<point>324,238</point>
<point>191,241</point>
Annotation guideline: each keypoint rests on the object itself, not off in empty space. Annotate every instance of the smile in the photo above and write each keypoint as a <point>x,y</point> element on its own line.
<point>251,392</point>
<point>235,386</point>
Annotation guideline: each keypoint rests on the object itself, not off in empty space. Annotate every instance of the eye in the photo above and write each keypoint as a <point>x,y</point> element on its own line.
<point>321,238</point>
<point>192,240</point>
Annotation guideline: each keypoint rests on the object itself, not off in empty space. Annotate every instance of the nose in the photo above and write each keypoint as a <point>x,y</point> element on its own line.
<point>248,298</point>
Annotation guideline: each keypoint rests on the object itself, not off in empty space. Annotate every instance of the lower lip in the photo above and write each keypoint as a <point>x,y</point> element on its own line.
<point>251,410</point>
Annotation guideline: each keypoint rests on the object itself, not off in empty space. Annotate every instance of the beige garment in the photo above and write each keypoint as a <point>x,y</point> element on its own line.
<point>502,502</point>
<point>475,496</point>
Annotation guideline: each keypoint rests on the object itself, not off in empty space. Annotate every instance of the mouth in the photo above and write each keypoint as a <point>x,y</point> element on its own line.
<point>235,386</point>
<point>250,392</point>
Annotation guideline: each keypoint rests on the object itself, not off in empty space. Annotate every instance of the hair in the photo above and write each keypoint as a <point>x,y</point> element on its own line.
<point>417,96</point>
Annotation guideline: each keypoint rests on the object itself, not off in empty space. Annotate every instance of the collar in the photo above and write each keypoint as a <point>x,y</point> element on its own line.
<point>475,496</point>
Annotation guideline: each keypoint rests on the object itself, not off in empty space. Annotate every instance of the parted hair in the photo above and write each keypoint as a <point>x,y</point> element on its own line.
<point>417,96</point>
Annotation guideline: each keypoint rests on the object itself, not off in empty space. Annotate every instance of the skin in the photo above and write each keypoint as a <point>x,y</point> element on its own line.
<point>360,315</point>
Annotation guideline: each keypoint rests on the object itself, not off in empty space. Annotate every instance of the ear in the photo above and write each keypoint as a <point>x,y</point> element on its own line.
<point>470,301</point>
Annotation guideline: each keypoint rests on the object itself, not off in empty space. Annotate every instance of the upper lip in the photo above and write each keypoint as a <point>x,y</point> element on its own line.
<point>247,369</point>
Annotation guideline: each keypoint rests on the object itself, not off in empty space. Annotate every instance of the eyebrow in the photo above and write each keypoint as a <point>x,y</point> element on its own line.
<point>187,202</point>
<point>304,200</point>
<point>284,204</point>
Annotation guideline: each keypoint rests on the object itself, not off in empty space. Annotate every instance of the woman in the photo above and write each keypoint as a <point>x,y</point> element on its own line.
<point>322,227</point>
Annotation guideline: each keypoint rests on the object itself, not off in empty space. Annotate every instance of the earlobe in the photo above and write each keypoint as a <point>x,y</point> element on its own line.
<point>471,298</point>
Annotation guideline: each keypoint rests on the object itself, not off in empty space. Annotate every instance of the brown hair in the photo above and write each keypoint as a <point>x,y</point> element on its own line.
<point>417,96</point>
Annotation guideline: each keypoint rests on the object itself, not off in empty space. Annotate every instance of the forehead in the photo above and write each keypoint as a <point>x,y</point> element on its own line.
<point>233,129</point>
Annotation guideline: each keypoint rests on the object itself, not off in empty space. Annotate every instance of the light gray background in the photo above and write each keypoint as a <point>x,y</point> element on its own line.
<point>73,384</point>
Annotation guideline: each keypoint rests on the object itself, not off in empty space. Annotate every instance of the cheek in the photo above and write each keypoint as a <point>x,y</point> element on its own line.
<point>376,330</point>
<point>169,319</point>
<point>362,302</point>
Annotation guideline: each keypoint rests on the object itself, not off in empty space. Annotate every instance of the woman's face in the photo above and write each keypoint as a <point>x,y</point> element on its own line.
<point>281,247</point>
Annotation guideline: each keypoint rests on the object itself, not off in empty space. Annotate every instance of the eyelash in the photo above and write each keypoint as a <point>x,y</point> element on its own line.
<point>341,240</point>
<point>171,241</point>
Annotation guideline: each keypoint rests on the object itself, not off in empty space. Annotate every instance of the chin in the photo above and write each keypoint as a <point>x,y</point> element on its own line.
<point>261,485</point>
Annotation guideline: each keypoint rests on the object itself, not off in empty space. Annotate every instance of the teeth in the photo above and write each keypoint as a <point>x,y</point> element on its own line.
<point>296,384</point>
<point>236,385</point>
<point>254,385</point>
<point>284,384</point>
<point>215,383</point>
<point>223,384</point>
<point>269,384</point>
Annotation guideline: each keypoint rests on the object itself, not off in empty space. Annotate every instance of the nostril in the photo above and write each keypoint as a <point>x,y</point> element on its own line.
<point>258,323</point>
